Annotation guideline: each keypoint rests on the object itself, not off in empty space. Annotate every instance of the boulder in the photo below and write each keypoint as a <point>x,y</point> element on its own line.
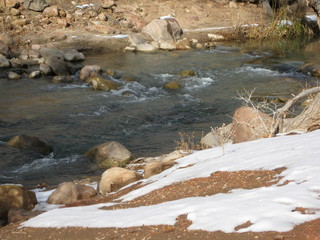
<point>214,140</point>
<point>115,178</point>
<point>15,196</point>
<point>89,71</point>
<point>52,11</point>
<point>165,31</point>
<point>45,69</point>
<point>73,55</point>
<point>316,71</point>
<point>13,76</point>
<point>249,124</point>
<point>35,5</point>
<point>141,43</point>
<point>31,143</point>
<point>58,66</point>
<point>99,83</point>
<point>109,154</point>
<point>4,62</point>
<point>173,85</point>
<point>51,52</point>
<point>69,192</point>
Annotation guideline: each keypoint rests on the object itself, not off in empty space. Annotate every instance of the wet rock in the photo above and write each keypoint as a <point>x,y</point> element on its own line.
<point>174,85</point>
<point>89,71</point>
<point>69,192</point>
<point>316,72</point>
<point>187,73</point>
<point>249,124</point>
<point>30,143</point>
<point>73,55</point>
<point>58,66</point>
<point>13,76</point>
<point>109,154</point>
<point>45,69</point>
<point>20,215</point>
<point>4,50</point>
<point>4,62</point>
<point>52,11</point>
<point>35,5</point>
<point>35,74</point>
<point>51,52</point>
<point>15,196</point>
<point>99,83</point>
<point>115,178</point>
<point>62,79</point>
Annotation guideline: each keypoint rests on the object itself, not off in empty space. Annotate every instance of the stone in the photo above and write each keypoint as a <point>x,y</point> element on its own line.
<point>57,36</point>
<point>233,4</point>
<point>13,76</point>
<point>213,140</point>
<point>316,72</point>
<point>5,38</point>
<point>63,22</point>
<point>62,79</point>
<point>69,192</point>
<point>250,124</point>
<point>30,143</point>
<point>45,69</point>
<point>73,55</point>
<point>115,178</point>
<point>15,12</point>
<point>4,49</point>
<point>19,22</point>
<point>103,17</point>
<point>4,62</point>
<point>89,71</point>
<point>12,3</point>
<point>20,215</point>
<point>58,66</point>
<point>215,37</point>
<point>107,3</point>
<point>24,55</point>
<point>35,74</point>
<point>51,52</point>
<point>18,63</point>
<point>99,83</point>
<point>15,196</point>
<point>33,54</point>
<point>174,85</point>
<point>141,44</point>
<point>109,154</point>
<point>52,11</point>
<point>165,30</point>
<point>152,169</point>
<point>187,73</point>
<point>35,5</point>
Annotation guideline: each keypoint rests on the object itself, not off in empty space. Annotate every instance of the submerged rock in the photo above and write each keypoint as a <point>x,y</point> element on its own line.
<point>110,154</point>
<point>69,192</point>
<point>174,85</point>
<point>99,83</point>
<point>115,178</point>
<point>31,143</point>
<point>187,73</point>
<point>4,62</point>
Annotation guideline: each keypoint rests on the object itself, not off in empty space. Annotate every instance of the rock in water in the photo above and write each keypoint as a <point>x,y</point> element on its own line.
<point>31,143</point>
<point>109,154</point>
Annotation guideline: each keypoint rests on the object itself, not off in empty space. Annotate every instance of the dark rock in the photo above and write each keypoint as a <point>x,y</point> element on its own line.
<point>30,143</point>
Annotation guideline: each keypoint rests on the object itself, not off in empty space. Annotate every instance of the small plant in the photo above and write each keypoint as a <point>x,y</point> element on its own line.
<point>189,143</point>
<point>223,134</point>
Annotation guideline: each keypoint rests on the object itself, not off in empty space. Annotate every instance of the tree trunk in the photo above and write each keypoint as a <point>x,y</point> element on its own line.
<point>308,120</point>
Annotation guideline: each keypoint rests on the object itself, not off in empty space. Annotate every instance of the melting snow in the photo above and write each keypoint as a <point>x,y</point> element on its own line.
<point>268,208</point>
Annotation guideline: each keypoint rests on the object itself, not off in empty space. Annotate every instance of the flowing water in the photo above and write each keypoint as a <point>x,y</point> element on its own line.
<point>142,115</point>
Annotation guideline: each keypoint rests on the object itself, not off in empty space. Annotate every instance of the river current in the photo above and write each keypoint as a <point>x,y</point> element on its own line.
<point>142,115</point>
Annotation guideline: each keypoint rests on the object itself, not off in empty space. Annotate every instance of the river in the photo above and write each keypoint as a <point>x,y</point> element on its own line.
<point>141,115</point>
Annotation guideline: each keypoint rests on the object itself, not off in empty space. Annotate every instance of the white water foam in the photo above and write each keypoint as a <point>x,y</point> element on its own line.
<point>261,71</point>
